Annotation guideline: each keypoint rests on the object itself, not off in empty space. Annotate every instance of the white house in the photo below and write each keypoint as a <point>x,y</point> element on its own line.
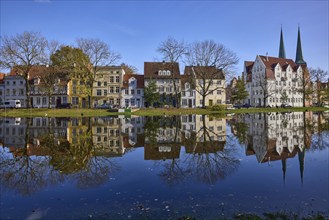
<point>132,91</point>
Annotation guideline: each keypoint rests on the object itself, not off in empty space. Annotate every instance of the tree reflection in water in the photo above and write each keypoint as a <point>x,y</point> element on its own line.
<point>208,158</point>
<point>49,159</point>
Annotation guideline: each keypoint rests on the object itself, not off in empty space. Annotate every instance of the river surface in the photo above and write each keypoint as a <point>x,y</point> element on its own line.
<point>206,167</point>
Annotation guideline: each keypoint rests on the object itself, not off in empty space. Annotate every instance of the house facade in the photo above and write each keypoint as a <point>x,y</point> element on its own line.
<point>107,85</point>
<point>14,88</point>
<point>132,91</point>
<point>273,81</point>
<point>167,79</point>
<point>209,81</point>
<point>47,91</point>
<point>2,88</point>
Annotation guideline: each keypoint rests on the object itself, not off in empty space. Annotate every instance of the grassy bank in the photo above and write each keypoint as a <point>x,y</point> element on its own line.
<point>142,112</point>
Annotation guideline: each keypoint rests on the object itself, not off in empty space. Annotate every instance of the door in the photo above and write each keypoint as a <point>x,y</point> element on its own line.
<point>190,103</point>
<point>210,102</point>
<point>84,103</point>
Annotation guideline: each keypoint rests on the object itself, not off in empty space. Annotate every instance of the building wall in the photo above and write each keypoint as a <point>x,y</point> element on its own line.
<point>14,89</point>
<point>107,86</point>
<point>217,97</point>
<point>132,96</point>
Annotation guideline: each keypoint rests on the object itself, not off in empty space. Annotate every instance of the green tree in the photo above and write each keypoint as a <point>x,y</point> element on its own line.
<point>150,93</point>
<point>77,66</point>
<point>239,92</point>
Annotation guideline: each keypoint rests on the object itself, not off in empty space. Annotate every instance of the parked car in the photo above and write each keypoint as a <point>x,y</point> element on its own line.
<point>104,106</point>
<point>64,105</point>
<point>285,105</point>
<point>246,105</point>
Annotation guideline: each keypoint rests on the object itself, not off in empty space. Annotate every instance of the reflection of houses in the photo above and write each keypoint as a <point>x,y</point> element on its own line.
<point>40,129</point>
<point>13,132</point>
<point>276,136</point>
<point>106,136</point>
<point>133,131</point>
<point>203,133</point>
<point>166,142</point>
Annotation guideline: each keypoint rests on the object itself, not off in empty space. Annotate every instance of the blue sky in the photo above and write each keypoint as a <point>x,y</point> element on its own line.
<point>135,28</point>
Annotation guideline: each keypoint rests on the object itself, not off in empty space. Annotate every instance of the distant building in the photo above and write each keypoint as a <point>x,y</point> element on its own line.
<point>132,92</point>
<point>272,81</point>
<point>107,85</point>
<point>47,90</point>
<point>188,94</point>
<point>229,90</point>
<point>211,79</point>
<point>2,88</point>
<point>15,88</point>
<point>167,78</point>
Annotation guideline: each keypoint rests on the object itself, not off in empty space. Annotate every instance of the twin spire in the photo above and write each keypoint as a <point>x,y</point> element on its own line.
<point>299,53</point>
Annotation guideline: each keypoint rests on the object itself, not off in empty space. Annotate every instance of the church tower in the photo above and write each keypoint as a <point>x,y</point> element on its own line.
<point>299,53</point>
<point>282,51</point>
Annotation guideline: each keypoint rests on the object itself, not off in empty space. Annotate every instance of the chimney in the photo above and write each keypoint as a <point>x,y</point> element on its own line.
<point>266,56</point>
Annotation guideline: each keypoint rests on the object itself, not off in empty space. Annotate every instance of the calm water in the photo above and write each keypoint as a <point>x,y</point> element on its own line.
<point>163,167</point>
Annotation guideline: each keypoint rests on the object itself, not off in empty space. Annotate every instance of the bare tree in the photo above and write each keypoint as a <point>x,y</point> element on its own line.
<point>99,54</point>
<point>265,86</point>
<point>22,51</point>
<point>172,51</point>
<point>318,76</point>
<point>209,61</point>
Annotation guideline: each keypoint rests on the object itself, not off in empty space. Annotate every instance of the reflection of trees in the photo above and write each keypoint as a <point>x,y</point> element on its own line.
<point>26,174</point>
<point>206,159</point>
<point>53,160</point>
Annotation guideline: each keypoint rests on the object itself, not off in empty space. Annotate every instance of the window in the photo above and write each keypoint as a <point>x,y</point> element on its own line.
<point>168,72</point>
<point>105,83</point>
<point>99,84</point>
<point>219,82</point>
<point>44,100</point>
<point>219,101</point>
<point>21,92</point>
<point>219,92</point>
<point>105,91</point>
<point>138,91</point>
<point>126,91</point>
<point>132,102</point>
<point>117,89</point>
<point>14,91</point>
<point>111,89</point>
<point>99,92</point>
<point>14,82</point>
<point>111,79</point>
<point>74,90</point>
<point>132,91</point>
<point>184,102</point>
<point>75,100</point>
<point>117,79</point>
<point>64,99</point>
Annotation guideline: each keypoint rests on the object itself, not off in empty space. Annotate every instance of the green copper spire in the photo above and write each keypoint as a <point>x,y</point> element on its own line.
<point>299,52</point>
<point>282,52</point>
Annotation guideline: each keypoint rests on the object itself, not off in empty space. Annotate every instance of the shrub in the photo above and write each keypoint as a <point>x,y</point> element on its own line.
<point>217,108</point>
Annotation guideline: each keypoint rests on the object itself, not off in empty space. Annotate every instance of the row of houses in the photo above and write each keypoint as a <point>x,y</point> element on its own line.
<point>112,86</point>
<point>270,82</point>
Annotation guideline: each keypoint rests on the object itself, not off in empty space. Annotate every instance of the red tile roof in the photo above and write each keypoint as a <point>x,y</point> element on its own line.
<point>206,72</point>
<point>151,70</point>
<point>139,78</point>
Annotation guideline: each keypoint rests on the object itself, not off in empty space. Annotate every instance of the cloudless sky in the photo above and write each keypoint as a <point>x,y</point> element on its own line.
<point>136,28</point>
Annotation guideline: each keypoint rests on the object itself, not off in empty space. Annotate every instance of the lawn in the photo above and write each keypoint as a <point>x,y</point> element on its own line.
<point>141,112</point>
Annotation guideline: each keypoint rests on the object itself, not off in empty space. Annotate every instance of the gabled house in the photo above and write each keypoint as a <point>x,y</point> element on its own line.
<point>15,88</point>
<point>107,85</point>
<point>132,91</point>
<point>188,94</point>
<point>48,87</point>
<point>167,78</point>
<point>208,83</point>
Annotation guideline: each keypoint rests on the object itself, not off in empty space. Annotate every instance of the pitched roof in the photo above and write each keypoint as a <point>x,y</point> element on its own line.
<point>207,72</point>
<point>151,70</point>
<point>2,76</point>
<point>39,72</point>
<point>139,78</point>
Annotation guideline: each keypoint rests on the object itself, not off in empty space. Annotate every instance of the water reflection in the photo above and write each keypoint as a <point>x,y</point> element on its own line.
<point>39,152</point>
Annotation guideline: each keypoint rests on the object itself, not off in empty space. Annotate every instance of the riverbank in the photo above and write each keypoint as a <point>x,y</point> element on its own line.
<point>141,112</point>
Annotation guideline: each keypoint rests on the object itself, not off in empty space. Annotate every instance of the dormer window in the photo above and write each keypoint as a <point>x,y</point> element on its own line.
<point>160,73</point>
<point>36,81</point>
<point>168,72</point>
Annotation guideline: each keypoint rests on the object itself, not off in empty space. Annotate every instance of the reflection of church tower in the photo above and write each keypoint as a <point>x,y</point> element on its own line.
<point>284,168</point>
<point>301,158</point>
<point>299,53</point>
<point>282,52</point>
